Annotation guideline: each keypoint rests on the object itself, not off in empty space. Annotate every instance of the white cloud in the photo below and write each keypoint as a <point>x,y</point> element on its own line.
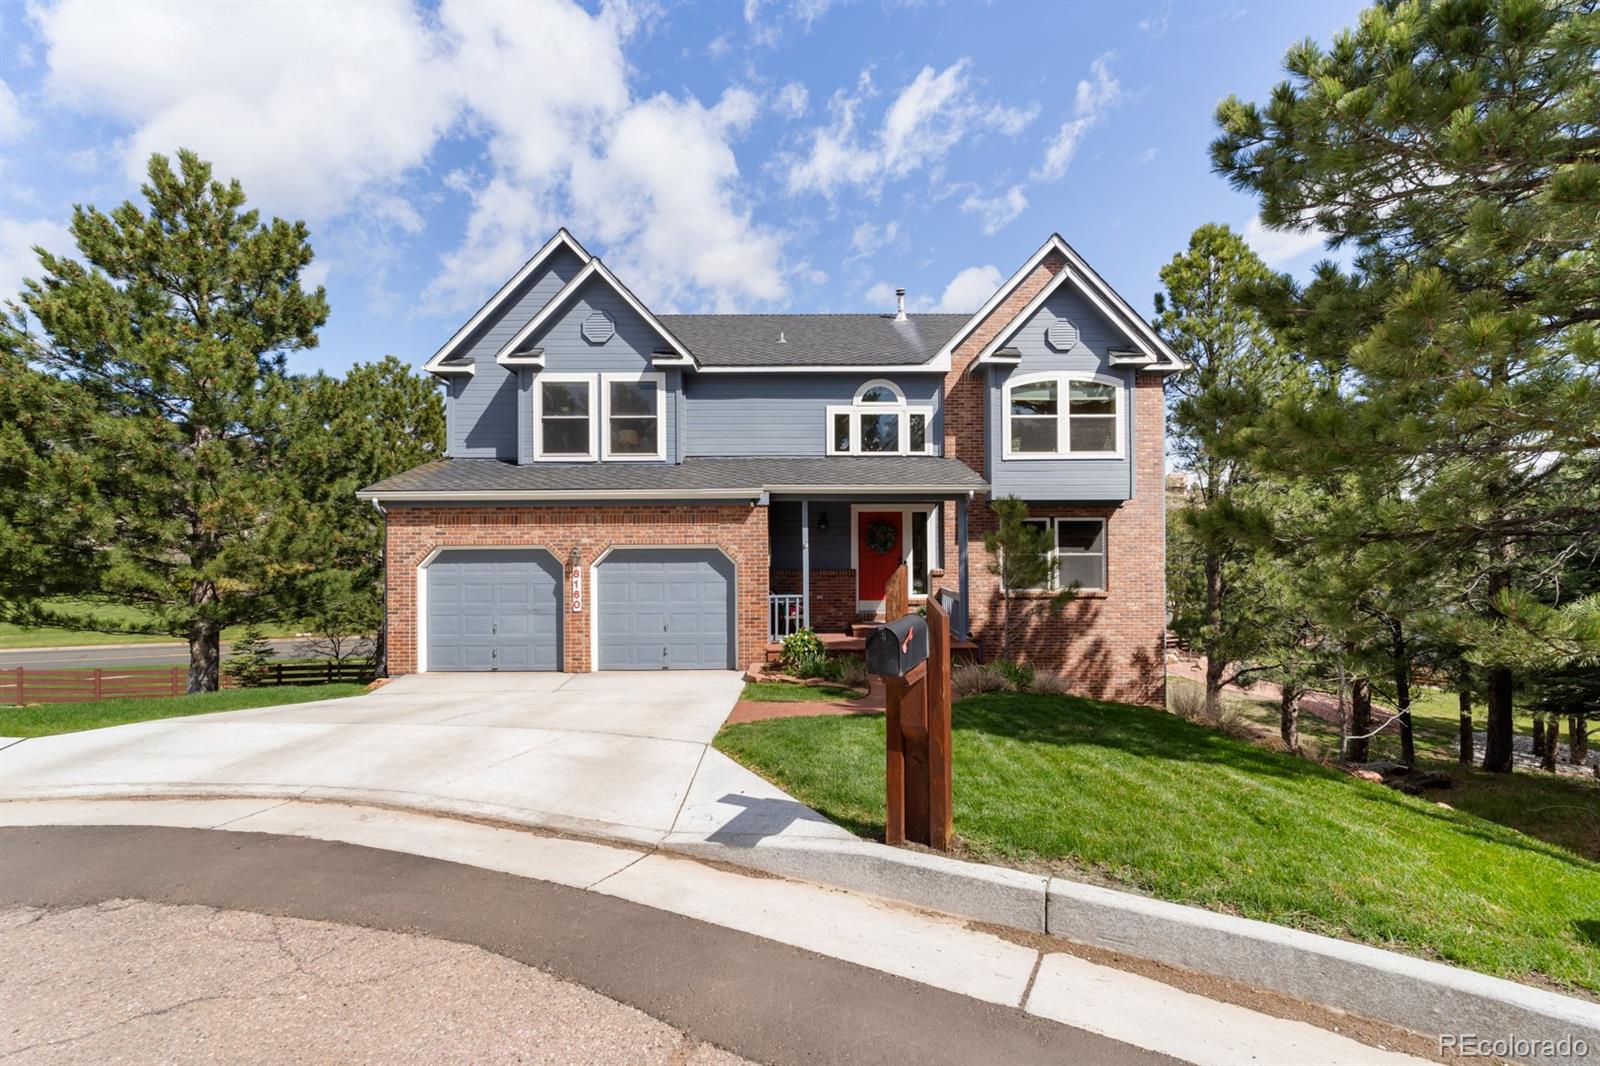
<point>1278,246</point>
<point>928,118</point>
<point>17,259</point>
<point>13,123</point>
<point>304,111</point>
<point>334,114</point>
<point>793,100</point>
<point>968,289</point>
<point>996,212</point>
<point>1096,95</point>
<point>1148,155</point>
<point>868,238</point>
<point>1157,21</point>
<point>802,13</point>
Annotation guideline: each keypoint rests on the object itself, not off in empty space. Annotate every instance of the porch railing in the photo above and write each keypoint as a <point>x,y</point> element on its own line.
<point>785,615</point>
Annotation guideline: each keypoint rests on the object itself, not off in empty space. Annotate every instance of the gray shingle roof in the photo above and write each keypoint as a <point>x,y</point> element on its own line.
<point>492,478</point>
<point>813,340</point>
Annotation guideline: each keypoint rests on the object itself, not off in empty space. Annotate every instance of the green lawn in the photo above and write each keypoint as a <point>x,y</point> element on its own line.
<point>48,719</point>
<point>134,624</point>
<point>789,692</point>
<point>1140,798</point>
<point>1556,809</point>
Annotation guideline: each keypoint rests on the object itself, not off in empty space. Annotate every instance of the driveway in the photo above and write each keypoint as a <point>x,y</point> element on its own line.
<point>611,754</point>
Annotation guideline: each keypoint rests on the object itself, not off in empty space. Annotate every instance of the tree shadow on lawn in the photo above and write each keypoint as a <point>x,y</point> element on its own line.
<point>1074,721</point>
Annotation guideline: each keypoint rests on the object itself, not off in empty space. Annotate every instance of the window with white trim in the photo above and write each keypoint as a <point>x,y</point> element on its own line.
<point>879,422</point>
<point>1077,552</point>
<point>1063,416</point>
<point>564,417</point>
<point>633,427</point>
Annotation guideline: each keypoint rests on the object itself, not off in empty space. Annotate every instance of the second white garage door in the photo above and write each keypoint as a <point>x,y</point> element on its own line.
<point>665,609</point>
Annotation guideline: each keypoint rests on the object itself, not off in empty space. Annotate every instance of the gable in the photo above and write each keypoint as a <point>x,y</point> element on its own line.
<point>544,275</point>
<point>1066,332</point>
<point>595,328</point>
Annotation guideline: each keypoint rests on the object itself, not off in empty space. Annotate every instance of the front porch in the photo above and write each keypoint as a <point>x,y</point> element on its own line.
<point>832,559</point>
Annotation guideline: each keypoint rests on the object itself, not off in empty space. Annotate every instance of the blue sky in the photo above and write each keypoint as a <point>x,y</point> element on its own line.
<point>805,156</point>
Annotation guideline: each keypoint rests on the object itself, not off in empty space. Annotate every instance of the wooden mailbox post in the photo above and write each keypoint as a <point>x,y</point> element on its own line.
<point>912,656</point>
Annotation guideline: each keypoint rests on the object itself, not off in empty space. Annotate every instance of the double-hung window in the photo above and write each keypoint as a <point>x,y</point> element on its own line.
<point>1077,552</point>
<point>633,426</point>
<point>565,408</point>
<point>1063,415</point>
<point>879,422</point>
<point>615,417</point>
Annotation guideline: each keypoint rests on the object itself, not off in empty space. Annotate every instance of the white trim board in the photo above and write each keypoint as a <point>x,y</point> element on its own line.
<point>906,511</point>
<point>1093,288</point>
<point>594,268</point>
<point>1063,415</point>
<point>562,239</point>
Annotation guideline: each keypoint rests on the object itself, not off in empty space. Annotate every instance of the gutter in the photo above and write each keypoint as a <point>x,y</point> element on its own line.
<point>516,495</point>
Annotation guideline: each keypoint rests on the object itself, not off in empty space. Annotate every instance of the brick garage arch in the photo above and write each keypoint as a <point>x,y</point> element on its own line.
<point>738,530</point>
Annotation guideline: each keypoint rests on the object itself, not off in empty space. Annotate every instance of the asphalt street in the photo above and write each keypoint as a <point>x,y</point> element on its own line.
<point>707,984</point>
<point>115,655</point>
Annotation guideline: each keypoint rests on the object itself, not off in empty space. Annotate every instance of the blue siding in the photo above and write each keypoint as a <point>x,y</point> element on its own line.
<point>783,414</point>
<point>567,350</point>
<point>1064,479</point>
<point>830,550</point>
<point>483,407</point>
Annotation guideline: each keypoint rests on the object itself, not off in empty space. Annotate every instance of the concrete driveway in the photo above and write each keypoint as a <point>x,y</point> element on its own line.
<point>612,754</point>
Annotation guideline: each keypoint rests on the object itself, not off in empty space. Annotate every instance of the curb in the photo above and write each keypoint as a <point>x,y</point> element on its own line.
<point>1425,997</point>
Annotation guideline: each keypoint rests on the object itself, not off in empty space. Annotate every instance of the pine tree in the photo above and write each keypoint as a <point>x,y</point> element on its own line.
<point>1455,147</point>
<point>1237,367</point>
<point>1019,551</point>
<point>171,336</point>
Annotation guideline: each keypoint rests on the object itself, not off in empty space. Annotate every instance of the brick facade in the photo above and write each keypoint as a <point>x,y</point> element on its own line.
<point>739,530</point>
<point>833,596</point>
<point>1111,644</point>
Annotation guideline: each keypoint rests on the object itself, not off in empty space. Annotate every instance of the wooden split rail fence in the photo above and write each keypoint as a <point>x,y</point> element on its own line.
<point>20,685</point>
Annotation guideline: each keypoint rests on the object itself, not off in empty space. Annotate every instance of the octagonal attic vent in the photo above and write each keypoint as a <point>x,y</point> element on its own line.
<point>598,328</point>
<point>1061,336</point>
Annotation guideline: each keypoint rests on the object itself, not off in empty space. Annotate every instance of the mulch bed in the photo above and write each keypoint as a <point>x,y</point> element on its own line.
<point>761,710</point>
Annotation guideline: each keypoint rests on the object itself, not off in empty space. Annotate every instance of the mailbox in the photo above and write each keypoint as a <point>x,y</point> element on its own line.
<point>895,649</point>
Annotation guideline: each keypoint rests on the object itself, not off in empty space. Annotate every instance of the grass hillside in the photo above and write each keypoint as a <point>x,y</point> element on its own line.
<point>1142,799</point>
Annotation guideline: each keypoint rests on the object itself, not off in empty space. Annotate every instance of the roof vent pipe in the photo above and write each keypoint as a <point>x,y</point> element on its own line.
<point>900,305</point>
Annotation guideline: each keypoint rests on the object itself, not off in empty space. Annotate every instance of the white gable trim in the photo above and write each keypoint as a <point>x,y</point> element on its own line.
<point>1091,286</point>
<point>562,239</point>
<point>593,269</point>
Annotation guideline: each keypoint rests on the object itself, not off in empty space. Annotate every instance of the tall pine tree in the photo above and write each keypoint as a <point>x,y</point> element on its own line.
<point>1455,148</point>
<point>170,336</point>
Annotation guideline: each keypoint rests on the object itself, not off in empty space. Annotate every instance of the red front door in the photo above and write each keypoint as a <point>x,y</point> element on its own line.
<point>880,549</point>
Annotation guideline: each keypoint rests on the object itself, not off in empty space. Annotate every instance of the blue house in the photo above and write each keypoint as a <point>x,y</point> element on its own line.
<point>627,490</point>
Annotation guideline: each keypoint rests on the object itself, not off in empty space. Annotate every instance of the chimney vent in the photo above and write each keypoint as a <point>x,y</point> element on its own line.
<point>900,305</point>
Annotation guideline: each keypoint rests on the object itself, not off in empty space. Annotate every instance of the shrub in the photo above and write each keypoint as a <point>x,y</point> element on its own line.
<point>249,659</point>
<point>1051,685</point>
<point>804,655</point>
<point>1018,675</point>
<point>969,679</point>
<point>851,671</point>
<point>1186,700</point>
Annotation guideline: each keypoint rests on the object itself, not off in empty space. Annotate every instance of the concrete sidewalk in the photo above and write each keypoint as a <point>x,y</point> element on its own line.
<point>976,967</point>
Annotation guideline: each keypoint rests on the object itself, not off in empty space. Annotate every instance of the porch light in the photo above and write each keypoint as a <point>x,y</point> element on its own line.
<point>822,521</point>
<point>573,558</point>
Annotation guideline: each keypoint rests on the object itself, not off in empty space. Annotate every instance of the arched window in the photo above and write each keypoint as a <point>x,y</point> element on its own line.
<point>880,422</point>
<point>1063,415</point>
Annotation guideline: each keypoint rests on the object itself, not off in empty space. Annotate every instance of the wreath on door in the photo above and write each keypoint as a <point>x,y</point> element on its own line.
<point>881,537</point>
